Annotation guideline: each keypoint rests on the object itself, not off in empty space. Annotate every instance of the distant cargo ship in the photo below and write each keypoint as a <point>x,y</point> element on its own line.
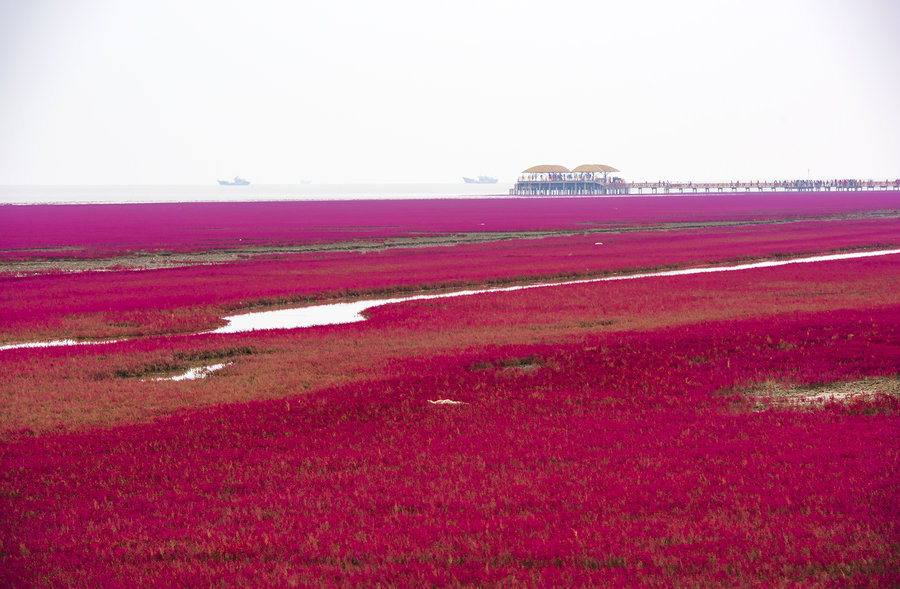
<point>480,180</point>
<point>238,181</point>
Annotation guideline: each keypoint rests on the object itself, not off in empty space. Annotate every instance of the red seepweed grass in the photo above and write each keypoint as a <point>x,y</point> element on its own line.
<point>107,229</point>
<point>105,305</point>
<point>616,458</point>
<point>100,385</point>
<point>596,434</point>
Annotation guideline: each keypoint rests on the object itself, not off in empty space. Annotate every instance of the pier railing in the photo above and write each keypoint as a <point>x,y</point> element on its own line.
<point>575,184</point>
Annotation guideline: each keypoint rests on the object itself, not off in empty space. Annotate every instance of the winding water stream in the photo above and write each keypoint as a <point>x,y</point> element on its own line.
<point>336,313</point>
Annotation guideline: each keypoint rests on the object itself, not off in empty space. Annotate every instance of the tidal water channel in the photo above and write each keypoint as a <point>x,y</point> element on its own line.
<point>350,312</point>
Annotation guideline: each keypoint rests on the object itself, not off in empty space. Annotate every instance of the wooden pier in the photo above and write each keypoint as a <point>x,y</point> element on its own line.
<point>563,187</point>
<point>762,186</point>
<point>595,180</point>
<point>552,180</point>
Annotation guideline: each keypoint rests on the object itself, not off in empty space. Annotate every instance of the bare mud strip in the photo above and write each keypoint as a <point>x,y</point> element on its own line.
<point>778,395</point>
<point>152,260</point>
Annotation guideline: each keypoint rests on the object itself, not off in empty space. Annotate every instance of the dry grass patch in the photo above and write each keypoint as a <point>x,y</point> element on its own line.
<point>779,394</point>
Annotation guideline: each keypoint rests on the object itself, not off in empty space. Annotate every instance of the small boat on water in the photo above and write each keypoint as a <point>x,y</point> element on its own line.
<point>480,180</point>
<point>238,181</point>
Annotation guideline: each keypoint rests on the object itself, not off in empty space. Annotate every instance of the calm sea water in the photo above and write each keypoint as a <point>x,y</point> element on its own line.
<point>216,193</point>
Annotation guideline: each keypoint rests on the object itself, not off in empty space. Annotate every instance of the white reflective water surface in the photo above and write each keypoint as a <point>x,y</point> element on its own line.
<point>58,342</point>
<point>195,373</point>
<point>213,192</point>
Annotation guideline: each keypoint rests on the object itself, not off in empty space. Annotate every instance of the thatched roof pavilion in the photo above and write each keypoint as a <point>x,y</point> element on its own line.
<point>549,179</point>
<point>595,168</point>
<point>545,168</point>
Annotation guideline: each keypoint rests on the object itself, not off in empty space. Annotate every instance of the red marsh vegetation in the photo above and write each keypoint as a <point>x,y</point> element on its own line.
<point>179,300</point>
<point>104,229</point>
<point>617,433</point>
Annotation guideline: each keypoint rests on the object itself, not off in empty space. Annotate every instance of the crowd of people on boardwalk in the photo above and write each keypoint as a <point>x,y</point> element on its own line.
<point>845,184</point>
<point>819,185</point>
<point>564,177</point>
<point>596,183</point>
<point>835,184</point>
<point>774,185</point>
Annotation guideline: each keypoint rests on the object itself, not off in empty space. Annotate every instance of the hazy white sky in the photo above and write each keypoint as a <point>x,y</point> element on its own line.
<point>187,91</point>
